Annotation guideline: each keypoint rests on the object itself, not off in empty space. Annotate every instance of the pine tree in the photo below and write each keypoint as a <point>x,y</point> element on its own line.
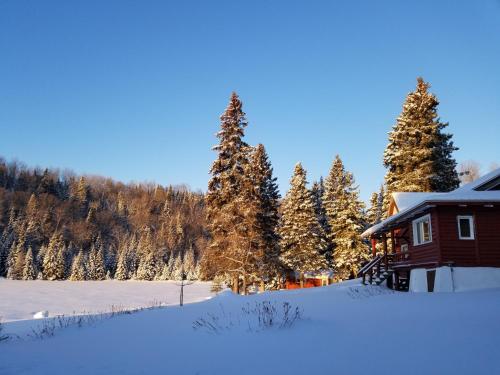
<point>148,267</point>
<point>345,216</point>
<point>53,262</point>
<point>78,268</point>
<point>318,190</point>
<point>301,234</point>
<point>122,268</point>
<point>227,200</point>
<point>376,212</point>
<point>95,268</point>
<point>267,214</point>
<point>419,155</point>
<point>177,268</point>
<point>30,271</point>
<point>15,261</point>
<point>190,264</point>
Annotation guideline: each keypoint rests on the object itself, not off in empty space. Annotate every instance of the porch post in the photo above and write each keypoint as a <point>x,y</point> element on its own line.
<point>374,246</point>
<point>384,239</point>
<point>393,243</point>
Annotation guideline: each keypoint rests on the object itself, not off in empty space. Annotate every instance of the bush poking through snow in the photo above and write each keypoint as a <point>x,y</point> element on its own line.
<point>256,318</point>
<point>50,326</point>
<point>368,291</point>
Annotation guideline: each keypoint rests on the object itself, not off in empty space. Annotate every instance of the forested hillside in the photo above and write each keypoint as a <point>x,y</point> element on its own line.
<point>58,225</point>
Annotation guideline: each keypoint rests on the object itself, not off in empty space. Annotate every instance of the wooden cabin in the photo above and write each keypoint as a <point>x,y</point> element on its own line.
<point>311,279</point>
<point>439,241</point>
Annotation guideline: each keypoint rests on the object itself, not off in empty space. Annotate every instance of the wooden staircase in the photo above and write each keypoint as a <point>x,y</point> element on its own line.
<point>380,269</point>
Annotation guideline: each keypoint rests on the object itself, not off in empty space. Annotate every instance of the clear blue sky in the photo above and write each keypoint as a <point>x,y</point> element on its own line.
<point>134,89</point>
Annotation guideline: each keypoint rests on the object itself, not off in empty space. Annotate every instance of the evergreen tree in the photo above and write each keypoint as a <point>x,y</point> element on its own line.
<point>230,201</point>
<point>376,212</point>
<point>15,261</point>
<point>190,264</point>
<point>53,262</point>
<point>30,271</point>
<point>79,268</point>
<point>345,216</point>
<point>267,214</point>
<point>148,267</point>
<point>95,269</point>
<point>302,240</point>
<point>318,190</point>
<point>122,268</point>
<point>419,154</point>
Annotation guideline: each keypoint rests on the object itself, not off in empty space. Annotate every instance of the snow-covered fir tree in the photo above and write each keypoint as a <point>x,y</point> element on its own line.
<point>53,267</point>
<point>419,154</point>
<point>229,203</point>
<point>148,267</point>
<point>318,190</point>
<point>344,211</point>
<point>302,240</point>
<point>375,213</point>
<point>267,213</point>
<point>79,267</point>
<point>123,264</point>
<point>95,265</point>
<point>30,271</point>
<point>15,261</point>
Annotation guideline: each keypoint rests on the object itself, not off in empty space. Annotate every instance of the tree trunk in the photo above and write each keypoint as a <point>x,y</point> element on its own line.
<point>262,286</point>
<point>301,280</point>
<point>244,287</point>
<point>236,284</point>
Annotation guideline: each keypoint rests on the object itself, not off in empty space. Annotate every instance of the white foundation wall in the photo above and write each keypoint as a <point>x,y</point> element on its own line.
<point>456,279</point>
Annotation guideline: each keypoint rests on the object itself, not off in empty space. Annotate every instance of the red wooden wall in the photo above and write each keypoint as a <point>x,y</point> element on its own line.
<point>484,250</point>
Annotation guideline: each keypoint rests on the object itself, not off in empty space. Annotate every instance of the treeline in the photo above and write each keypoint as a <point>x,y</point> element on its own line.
<point>58,226</point>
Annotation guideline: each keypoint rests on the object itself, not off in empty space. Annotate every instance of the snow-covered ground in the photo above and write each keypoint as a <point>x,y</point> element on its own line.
<point>347,329</point>
<point>19,299</point>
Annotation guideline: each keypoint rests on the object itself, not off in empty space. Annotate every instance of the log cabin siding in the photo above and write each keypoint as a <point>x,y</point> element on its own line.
<point>429,252</point>
<point>484,249</point>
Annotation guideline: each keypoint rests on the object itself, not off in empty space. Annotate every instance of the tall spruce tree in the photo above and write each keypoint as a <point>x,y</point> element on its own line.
<point>267,213</point>
<point>79,268</point>
<point>227,199</point>
<point>53,261</point>
<point>419,154</point>
<point>346,218</point>
<point>302,238</point>
<point>95,268</point>
<point>318,190</point>
<point>30,271</point>
<point>375,213</point>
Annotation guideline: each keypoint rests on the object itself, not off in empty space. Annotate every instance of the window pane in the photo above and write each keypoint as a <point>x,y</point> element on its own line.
<point>419,234</point>
<point>425,230</point>
<point>464,228</point>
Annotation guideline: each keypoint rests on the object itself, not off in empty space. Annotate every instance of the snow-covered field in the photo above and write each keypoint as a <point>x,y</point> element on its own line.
<point>347,329</point>
<point>19,299</point>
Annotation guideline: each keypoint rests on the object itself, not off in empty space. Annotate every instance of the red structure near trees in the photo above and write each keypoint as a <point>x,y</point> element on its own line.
<point>429,231</point>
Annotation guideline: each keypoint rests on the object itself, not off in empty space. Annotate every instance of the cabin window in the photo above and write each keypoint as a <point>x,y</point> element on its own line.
<point>422,232</point>
<point>465,227</point>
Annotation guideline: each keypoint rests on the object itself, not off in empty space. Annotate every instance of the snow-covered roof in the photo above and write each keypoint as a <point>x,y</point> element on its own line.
<point>409,202</point>
<point>405,200</point>
<point>480,181</point>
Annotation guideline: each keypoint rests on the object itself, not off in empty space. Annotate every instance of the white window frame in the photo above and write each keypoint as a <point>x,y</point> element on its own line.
<point>470,218</point>
<point>415,224</point>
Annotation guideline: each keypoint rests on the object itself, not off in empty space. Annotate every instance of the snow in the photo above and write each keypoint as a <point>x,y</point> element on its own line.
<point>347,329</point>
<point>20,299</point>
<point>471,186</point>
